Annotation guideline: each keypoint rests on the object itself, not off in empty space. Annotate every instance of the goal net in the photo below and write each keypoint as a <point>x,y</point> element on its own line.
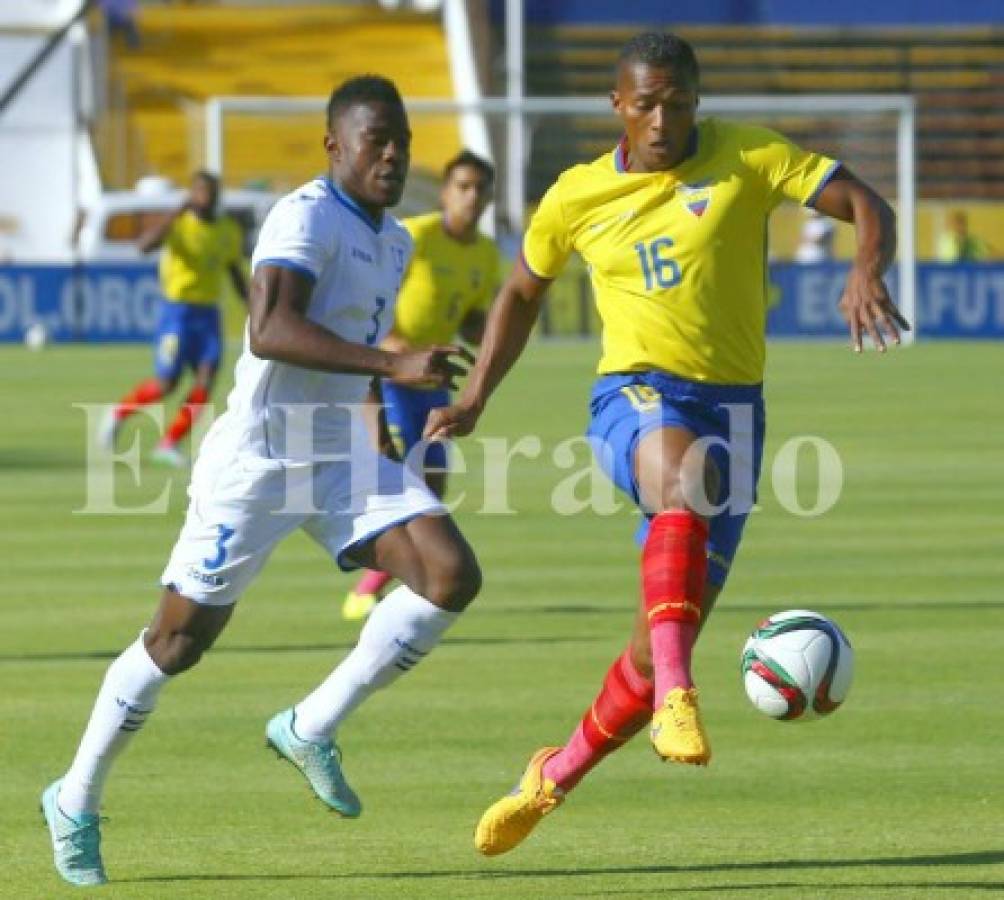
<point>275,143</point>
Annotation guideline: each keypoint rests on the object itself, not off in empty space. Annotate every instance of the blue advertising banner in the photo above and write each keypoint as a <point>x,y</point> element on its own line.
<point>92,302</point>
<point>964,300</point>
<point>118,302</point>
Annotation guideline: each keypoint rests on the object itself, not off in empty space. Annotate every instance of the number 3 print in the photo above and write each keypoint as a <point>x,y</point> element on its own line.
<point>381,304</point>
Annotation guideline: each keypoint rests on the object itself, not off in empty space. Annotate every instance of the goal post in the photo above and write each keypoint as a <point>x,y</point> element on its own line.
<point>843,112</point>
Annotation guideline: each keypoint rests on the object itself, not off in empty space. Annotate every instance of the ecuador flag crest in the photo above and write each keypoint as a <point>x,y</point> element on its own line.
<point>696,197</point>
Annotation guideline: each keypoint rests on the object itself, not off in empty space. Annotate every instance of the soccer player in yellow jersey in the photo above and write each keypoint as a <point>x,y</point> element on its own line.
<point>449,284</point>
<point>199,246</point>
<point>673,226</point>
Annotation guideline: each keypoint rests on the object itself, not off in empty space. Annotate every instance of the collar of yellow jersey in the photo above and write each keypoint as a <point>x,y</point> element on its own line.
<point>622,158</point>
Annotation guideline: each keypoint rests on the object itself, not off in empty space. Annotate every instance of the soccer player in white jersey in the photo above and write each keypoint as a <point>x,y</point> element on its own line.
<point>327,269</point>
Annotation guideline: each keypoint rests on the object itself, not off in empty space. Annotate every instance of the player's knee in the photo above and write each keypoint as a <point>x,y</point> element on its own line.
<point>454,580</point>
<point>696,490</point>
<point>176,652</point>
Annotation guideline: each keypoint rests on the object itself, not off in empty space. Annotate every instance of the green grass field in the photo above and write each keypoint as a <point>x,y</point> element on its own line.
<point>899,794</point>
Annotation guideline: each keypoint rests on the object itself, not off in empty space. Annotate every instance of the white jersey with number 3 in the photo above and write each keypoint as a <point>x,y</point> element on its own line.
<point>276,410</point>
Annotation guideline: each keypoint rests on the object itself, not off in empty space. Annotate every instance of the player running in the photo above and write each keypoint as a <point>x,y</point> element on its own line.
<point>449,284</point>
<point>198,244</point>
<point>673,226</point>
<point>327,267</point>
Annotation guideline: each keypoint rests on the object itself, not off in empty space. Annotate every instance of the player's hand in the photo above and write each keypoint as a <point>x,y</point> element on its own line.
<point>446,422</point>
<point>868,309</point>
<point>434,367</point>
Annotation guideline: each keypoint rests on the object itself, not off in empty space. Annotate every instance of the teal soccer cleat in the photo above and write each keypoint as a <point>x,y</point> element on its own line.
<point>319,761</point>
<point>76,843</point>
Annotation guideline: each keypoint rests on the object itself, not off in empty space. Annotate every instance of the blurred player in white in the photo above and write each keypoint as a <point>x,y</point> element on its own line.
<point>291,452</point>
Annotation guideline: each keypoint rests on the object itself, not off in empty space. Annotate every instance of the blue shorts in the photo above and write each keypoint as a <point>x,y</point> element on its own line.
<point>188,334</point>
<point>407,411</point>
<point>627,407</point>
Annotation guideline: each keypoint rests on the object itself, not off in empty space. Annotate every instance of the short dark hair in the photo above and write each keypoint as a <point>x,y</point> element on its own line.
<point>469,158</point>
<point>211,178</point>
<point>359,90</point>
<point>664,50</point>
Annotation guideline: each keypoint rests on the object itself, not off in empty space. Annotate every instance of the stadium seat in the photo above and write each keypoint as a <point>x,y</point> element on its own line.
<point>192,53</point>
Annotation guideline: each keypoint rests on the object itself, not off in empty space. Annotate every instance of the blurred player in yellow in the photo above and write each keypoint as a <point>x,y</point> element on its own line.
<point>449,284</point>
<point>198,245</point>
<point>673,226</point>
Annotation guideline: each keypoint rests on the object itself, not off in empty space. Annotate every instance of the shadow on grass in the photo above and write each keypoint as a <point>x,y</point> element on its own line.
<point>744,608</point>
<point>976,858</point>
<point>801,886</point>
<point>39,459</point>
<point>78,656</point>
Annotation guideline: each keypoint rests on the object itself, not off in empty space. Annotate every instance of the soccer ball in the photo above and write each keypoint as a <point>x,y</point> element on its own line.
<point>36,336</point>
<point>797,665</point>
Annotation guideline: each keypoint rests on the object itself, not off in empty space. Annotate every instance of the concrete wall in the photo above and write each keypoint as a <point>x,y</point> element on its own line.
<point>48,169</point>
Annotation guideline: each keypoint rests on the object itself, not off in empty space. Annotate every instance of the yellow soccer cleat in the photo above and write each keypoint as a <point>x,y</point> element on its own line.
<point>509,821</point>
<point>677,731</point>
<point>357,606</point>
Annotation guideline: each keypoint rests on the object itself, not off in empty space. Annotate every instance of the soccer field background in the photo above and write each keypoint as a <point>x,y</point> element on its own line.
<point>898,794</point>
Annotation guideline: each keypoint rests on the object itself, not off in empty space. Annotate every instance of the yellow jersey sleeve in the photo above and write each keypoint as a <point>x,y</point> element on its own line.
<point>175,240</point>
<point>785,169</point>
<point>235,235</point>
<point>490,269</point>
<point>548,240</point>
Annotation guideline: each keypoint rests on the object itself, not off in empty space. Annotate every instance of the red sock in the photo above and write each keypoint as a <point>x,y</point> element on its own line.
<point>188,413</point>
<point>674,569</point>
<point>145,392</point>
<point>372,582</point>
<point>621,709</point>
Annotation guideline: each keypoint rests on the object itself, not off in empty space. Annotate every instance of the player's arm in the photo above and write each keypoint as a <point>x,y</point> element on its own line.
<point>510,321</point>
<point>472,327</point>
<point>279,329</point>
<point>153,238</point>
<point>865,303</point>
<point>238,280</point>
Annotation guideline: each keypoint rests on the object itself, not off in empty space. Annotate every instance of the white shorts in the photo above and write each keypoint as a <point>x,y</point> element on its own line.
<point>241,507</point>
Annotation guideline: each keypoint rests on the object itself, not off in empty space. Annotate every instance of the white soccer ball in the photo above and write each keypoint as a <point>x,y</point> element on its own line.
<point>797,665</point>
<point>36,336</point>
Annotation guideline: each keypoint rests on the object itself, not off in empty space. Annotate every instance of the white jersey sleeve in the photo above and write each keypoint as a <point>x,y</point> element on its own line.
<point>299,233</point>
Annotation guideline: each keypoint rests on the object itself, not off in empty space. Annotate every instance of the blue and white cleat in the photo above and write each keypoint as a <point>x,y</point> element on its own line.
<point>76,843</point>
<point>320,761</point>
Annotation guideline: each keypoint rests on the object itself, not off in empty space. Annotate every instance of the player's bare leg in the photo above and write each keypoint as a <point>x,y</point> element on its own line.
<point>191,408</point>
<point>674,576</point>
<point>359,602</point>
<point>181,631</point>
<point>439,576</point>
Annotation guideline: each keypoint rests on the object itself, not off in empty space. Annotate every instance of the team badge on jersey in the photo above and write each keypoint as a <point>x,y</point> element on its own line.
<point>696,197</point>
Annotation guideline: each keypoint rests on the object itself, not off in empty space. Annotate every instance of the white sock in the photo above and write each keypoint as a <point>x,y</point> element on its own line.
<point>402,628</point>
<point>127,696</point>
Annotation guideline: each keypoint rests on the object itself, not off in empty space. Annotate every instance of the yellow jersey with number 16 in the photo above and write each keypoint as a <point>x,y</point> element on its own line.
<point>678,259</point>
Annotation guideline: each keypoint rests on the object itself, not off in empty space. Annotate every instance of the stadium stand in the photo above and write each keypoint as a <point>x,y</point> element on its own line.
<point>957,76</point>
<point>190,53</point>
